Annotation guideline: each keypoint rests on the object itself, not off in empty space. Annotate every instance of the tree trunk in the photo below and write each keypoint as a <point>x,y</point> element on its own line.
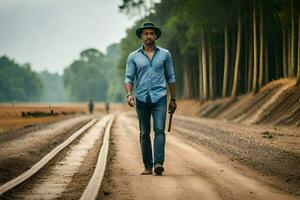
<point>288,53</point>
<point>277,63</point>
<point>298,72</point>
<point>186,89</point>
<point>200,74</point>
<point>254,83</point>
<point>292,54</point>
<point>246,57</point>
<point>195,83</point>
<point>226,51</point>
<point>211,71</point>
<point>237,59</point>
<point>250,61</point>
<point>261,49</point>
<point>266,62</point>
<point>191,82</point>
<point>284,57</point>
<point>204,67</point>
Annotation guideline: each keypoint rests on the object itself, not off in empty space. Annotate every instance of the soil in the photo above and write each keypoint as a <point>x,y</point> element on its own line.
<point>192,171</point>
<point>276,104</point>
<point>255,136</point>
<point>243,148</point>
<point>267,150</point>
<point>68,173</point>
<point>20,151</point>
<point>11,116</point>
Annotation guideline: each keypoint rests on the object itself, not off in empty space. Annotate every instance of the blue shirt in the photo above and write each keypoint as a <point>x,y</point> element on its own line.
<point>150,77</point>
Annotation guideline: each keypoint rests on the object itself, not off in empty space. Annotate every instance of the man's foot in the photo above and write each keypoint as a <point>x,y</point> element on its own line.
<point>158,169</point>
<point>147,172</point>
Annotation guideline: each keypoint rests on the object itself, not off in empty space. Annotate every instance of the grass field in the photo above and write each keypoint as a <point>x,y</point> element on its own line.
<point>11,114</point>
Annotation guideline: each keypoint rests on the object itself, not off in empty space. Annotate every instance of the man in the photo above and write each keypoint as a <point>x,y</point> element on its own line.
<point>91,106</point>
<point>150,68</point>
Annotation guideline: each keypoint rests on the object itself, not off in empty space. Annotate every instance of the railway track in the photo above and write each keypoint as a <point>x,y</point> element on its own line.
<point>78,162</point>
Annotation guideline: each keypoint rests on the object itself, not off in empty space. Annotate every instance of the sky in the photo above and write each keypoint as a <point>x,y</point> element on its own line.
<point>50,34</point>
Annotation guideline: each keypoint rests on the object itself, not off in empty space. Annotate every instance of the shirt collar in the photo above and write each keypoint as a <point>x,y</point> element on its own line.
<point>157,48</point>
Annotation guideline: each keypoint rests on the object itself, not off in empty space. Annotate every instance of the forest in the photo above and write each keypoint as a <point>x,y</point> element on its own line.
<point>18,82</point>
<point>219,49</point>
<point>94,75</point>
<point>222,48</point>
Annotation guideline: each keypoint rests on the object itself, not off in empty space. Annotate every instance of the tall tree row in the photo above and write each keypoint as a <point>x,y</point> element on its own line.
<point>225,48</point>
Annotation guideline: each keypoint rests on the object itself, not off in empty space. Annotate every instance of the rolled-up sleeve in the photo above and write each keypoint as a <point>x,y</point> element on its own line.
<point>170,75</point>
<point>130,70</point>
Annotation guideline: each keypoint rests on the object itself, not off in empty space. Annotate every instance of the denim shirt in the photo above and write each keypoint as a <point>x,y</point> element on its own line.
<point>150,77</point>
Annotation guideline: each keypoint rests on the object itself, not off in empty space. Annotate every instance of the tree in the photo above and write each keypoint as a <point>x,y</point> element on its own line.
<point>298,72</point>
<point>54,89</point>
<point>18,82</point>
<point>94,76</point>
<point>220,46</point>
<point>237,58</point>
<point>261,48</point>
<point>254,83</point>
<point>226,57</point>
<point>292,40</point>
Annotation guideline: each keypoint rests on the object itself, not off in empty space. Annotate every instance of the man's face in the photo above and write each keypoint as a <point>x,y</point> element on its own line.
<point>148,36</point>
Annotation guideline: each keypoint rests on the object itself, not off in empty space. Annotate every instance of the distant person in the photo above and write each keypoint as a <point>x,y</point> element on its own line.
<point>107,107</point>
<point>150,68</point>
<point>91,106</point>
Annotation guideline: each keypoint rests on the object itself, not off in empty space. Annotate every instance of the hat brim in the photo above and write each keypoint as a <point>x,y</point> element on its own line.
<point>139,31</point>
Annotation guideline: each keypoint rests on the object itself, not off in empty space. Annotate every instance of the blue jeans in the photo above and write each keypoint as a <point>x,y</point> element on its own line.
<point>159,112</point>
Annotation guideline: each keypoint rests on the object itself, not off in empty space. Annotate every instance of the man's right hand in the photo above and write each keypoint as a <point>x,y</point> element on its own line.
<point>130,101</point>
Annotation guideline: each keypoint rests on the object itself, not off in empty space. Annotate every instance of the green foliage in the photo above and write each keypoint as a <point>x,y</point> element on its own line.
<point>94,76</point>
<point>18,82</point>
<point>53,90</point>
<point>136,7</point>
<point>182,21</point>
<point>128,44</point>
<point>115,91</point>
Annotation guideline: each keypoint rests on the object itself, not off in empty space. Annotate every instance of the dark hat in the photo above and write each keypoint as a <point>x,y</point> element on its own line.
<point>139,31</point>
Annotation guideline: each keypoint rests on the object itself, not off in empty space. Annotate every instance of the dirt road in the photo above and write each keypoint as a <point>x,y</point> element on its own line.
<point>190,172</point>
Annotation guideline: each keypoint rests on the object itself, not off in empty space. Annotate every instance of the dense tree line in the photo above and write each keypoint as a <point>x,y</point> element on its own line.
<point>53,87</point>
<point>94,76</point>
<point>223,48</point>
<point>18,82</point>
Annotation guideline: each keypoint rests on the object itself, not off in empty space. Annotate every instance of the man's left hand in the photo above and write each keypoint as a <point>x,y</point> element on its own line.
<point>172,106</point>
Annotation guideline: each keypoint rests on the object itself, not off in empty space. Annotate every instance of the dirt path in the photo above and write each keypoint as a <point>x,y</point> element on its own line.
<point>191,173</point>
<point>272,151</point>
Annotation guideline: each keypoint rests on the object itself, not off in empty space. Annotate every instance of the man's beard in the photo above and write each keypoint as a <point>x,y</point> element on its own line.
<point>149,41</point>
